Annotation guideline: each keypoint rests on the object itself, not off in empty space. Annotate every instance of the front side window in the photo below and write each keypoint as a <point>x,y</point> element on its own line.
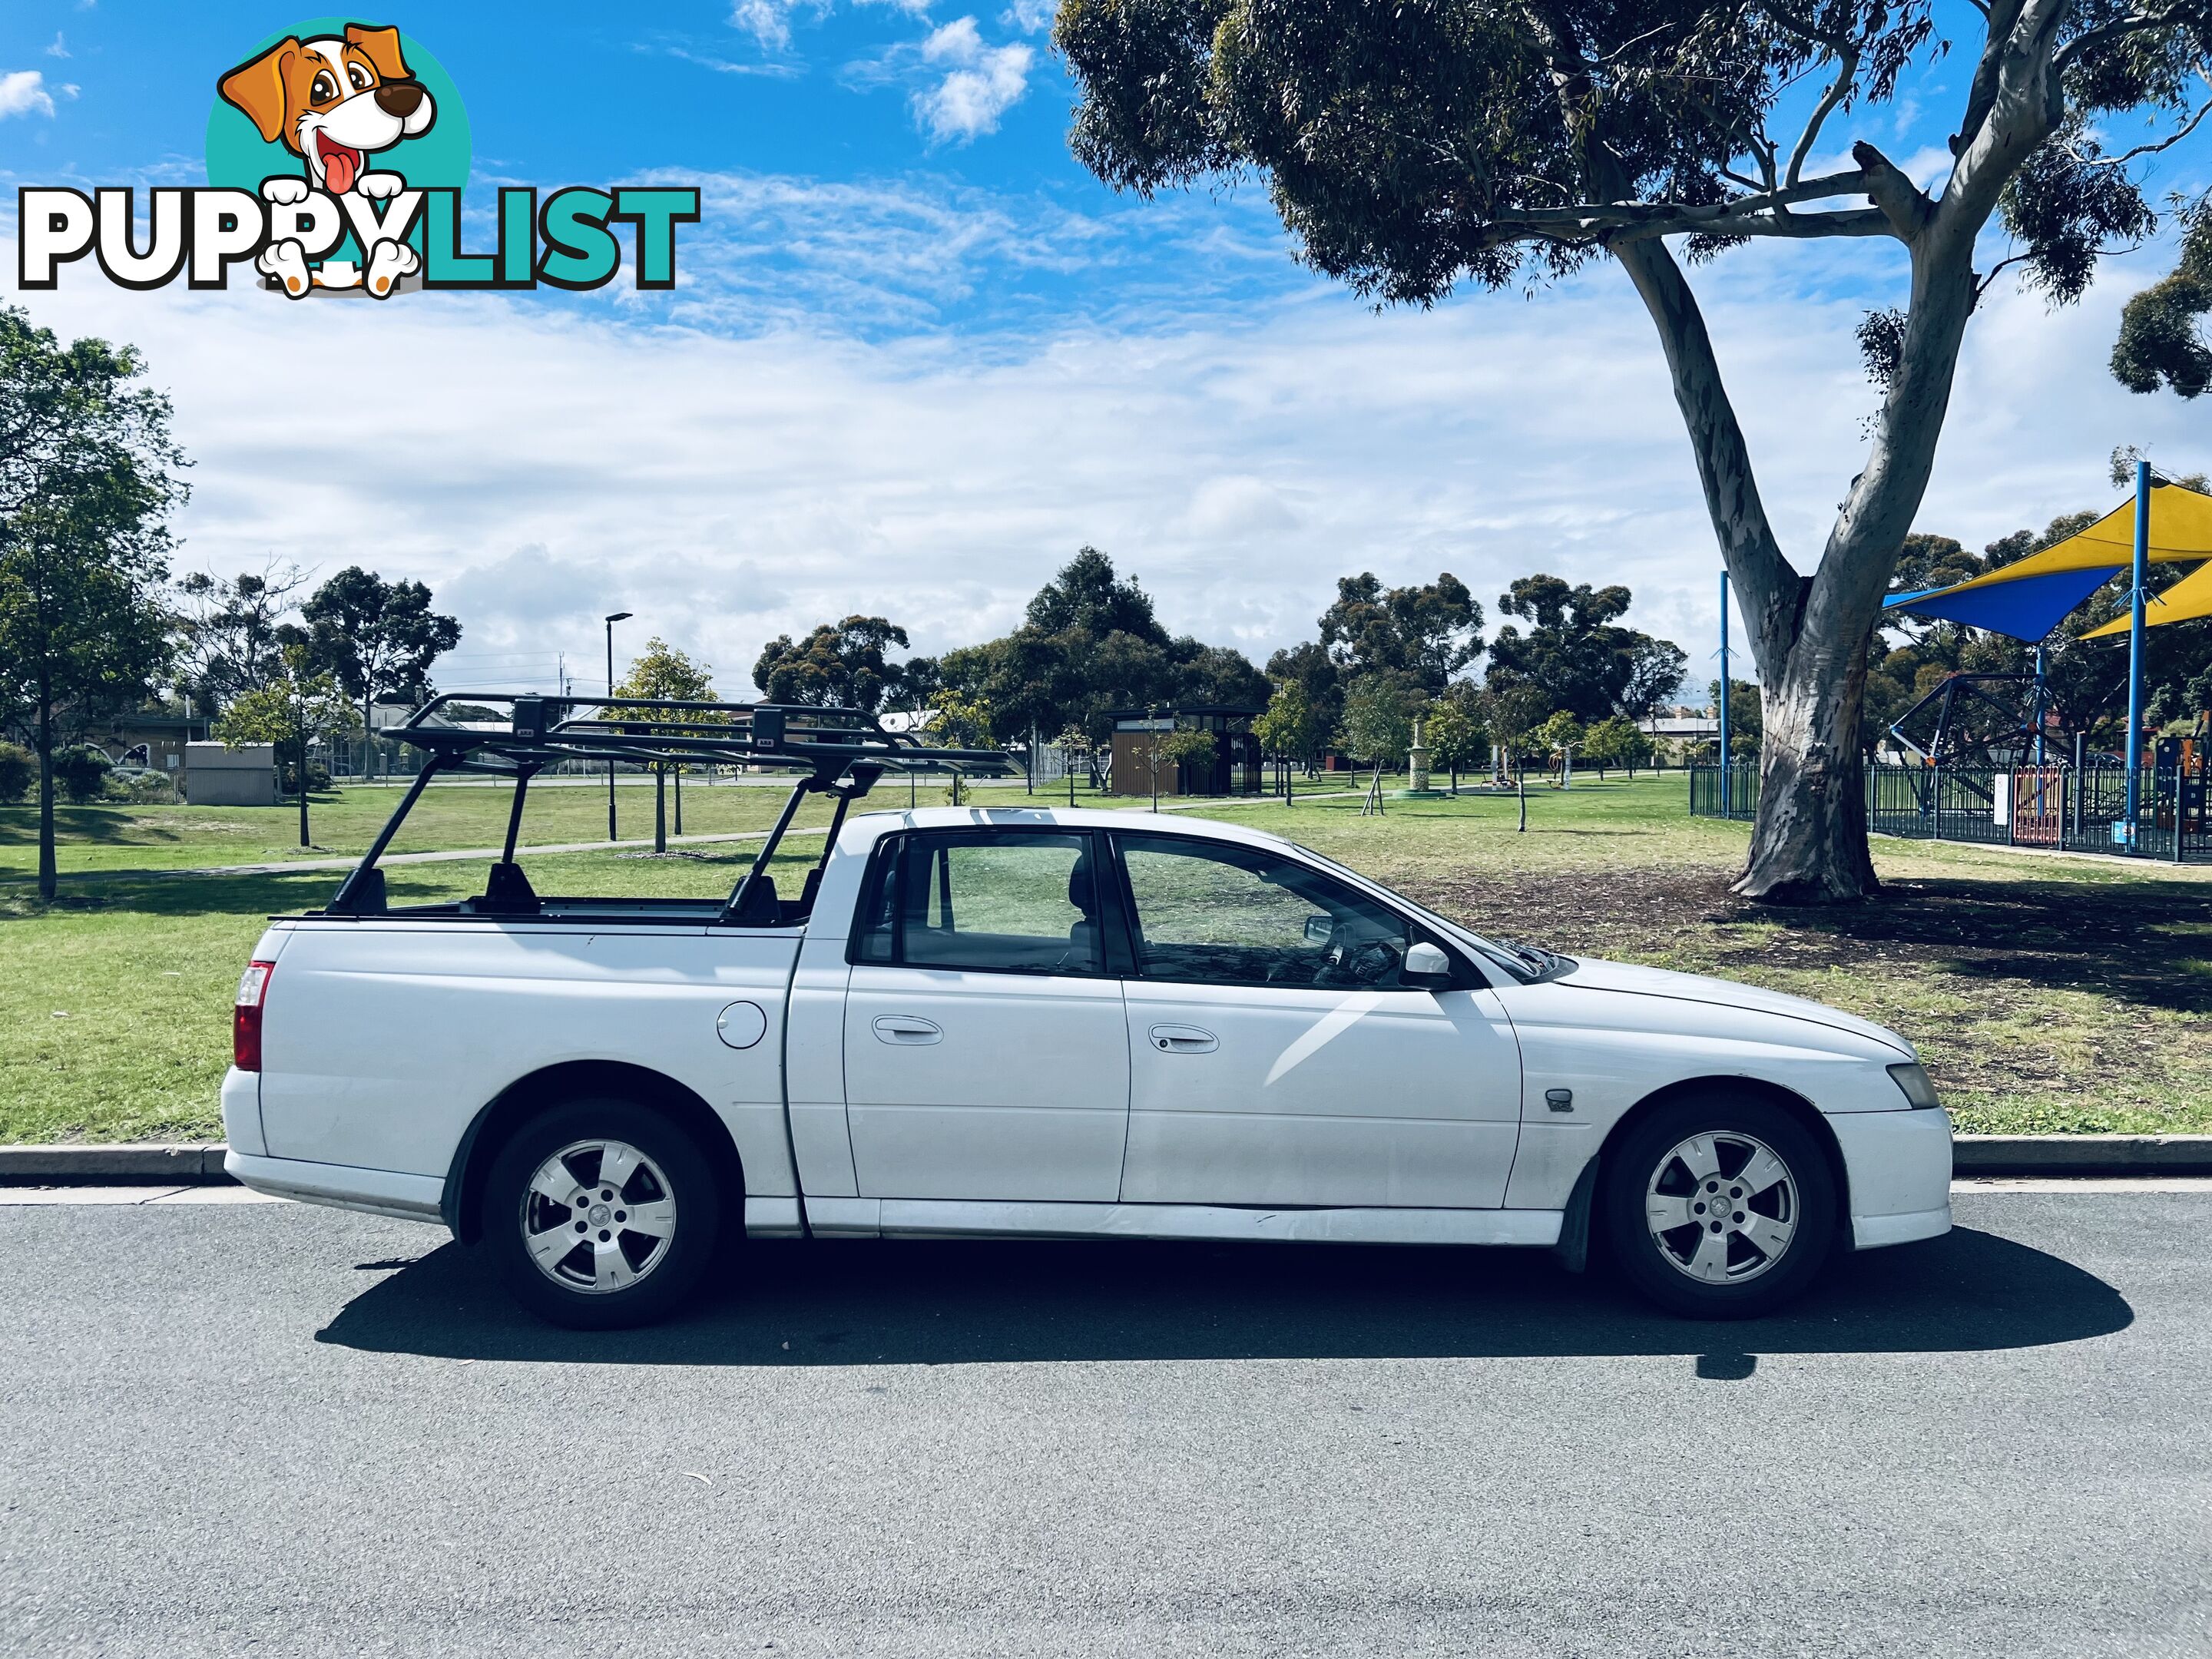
<point>1007,901</point>
<point>1220,914</point>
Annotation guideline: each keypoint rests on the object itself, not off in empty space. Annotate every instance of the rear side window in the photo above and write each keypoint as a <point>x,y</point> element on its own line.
<point>1023,902</point>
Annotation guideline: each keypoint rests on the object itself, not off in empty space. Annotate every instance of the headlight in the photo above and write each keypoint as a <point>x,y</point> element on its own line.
<point>1912,1079</point>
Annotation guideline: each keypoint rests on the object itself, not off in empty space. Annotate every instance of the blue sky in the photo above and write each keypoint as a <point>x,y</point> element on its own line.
<point>917,355</point>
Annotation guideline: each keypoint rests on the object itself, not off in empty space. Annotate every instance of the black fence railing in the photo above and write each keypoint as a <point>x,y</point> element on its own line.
<point>1735,796</point>
<point>2065,808</point>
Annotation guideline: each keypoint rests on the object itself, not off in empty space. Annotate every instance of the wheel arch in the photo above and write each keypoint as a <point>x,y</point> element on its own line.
<point>527,1097</point>
<point>1575,1226</point>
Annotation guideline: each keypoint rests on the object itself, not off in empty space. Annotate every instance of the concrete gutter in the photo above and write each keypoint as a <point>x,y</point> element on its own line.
<point>189,1163</point>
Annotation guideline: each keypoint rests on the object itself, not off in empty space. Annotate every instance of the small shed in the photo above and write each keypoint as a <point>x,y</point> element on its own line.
<point>217,776</point>
<point>1236,767</point>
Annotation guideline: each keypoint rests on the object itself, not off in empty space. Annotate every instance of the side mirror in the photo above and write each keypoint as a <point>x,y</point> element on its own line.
<point>1319,929</point>
<point>1426,964</point>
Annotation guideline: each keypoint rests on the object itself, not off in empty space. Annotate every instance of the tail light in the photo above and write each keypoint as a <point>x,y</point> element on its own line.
<point>245,1016</point>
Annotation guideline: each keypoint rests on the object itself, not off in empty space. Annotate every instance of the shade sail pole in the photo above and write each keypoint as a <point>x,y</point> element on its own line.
<point>2136,645</point>
<point>1727,805</point>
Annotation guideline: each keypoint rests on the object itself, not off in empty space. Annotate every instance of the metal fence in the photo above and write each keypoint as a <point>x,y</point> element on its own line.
<point>2065,808</point>
<point>1740,789</point>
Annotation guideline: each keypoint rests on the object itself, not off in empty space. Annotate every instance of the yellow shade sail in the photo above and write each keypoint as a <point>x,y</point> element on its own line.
<point>2180,532</point>
<point>2186,600</point>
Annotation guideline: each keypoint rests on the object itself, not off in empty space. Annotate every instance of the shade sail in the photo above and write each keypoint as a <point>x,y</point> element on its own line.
<point>2026,610</point>
<point>2186,600</point>
<point>2044,587</point>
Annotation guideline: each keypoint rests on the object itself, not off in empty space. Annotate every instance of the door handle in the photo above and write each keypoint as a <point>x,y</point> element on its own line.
<point>908,1029</point>
<point>1183,1040</point>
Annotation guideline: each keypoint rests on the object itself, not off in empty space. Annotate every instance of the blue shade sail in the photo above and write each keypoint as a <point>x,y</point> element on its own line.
<point>2026,608</point>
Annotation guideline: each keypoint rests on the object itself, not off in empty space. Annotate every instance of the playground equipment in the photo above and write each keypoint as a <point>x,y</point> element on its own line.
<point>2165,524</point>
<point>1983,720</point>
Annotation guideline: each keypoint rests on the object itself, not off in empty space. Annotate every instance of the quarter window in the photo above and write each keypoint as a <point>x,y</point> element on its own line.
<point>1221,913</point>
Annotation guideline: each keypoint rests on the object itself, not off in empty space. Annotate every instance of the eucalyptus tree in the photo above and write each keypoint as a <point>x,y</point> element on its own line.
<point>89,476</point>
<point>1415,145</point>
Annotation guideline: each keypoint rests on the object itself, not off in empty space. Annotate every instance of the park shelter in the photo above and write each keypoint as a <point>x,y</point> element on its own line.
<point>216,774</point>
<point>1234,770</point>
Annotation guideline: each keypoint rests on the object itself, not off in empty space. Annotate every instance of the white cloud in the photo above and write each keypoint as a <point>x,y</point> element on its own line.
<point>23,92</point>
<point>983,83</point>
<point>768,21</point>
<point>541,463</point>
<point>60,47</point>
<point>1030,16</point>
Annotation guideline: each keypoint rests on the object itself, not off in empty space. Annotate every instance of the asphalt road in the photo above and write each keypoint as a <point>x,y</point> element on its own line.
<point>265,1428</point>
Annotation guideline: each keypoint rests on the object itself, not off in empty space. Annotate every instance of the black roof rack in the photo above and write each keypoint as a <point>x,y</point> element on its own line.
<point>838,751</point>
<point>503,731</point>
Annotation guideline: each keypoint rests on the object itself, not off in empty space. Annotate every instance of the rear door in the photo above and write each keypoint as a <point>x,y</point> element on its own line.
<point>1277,1057</point>
<point>985,1055</point>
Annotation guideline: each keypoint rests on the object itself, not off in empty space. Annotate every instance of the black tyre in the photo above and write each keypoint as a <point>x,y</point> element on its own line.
<point>1719,1208</point>
<point>601,1214</point>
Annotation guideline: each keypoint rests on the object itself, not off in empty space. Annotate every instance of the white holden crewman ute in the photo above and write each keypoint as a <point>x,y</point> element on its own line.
<point>983,1021</point>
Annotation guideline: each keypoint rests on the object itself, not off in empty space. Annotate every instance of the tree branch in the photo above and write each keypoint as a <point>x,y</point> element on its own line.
<point>1767,585</point>
<point>1903,202</point>
<point>1847,72</point>
<point>1695,215</point>
<point>2136,23</point>
<point>1857,222</point>
<point>2153,149</point>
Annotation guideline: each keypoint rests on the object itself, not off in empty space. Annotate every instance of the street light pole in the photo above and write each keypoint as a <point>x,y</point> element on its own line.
<point>619,615</point>
<point>1727,804</point>
<point>2138,580</point>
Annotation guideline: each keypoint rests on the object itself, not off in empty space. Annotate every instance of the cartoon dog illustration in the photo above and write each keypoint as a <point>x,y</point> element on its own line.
<point>334,101</point>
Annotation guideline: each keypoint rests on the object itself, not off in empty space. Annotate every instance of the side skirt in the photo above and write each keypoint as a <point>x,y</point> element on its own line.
<point>918,1218</point>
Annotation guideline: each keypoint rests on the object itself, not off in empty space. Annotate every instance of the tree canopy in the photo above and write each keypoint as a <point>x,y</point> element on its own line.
<point>1578,655</point>
<point>89,477</point>
<point>377,638</point>
<point>1420,636</point>
<point>1088,644</point>
<point>839,664</point>
<point>231,631</point>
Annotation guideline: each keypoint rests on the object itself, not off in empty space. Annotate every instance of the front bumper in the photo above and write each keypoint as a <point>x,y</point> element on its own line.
<point>1899,1167</point>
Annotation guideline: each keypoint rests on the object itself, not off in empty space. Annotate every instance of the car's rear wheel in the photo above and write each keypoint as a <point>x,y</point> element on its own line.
<point>601,1214</point>
<point>1720,1208</point>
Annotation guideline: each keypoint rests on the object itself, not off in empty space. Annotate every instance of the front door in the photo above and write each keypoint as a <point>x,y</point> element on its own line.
<point>1277,1057</point>
<point>986,1056</point>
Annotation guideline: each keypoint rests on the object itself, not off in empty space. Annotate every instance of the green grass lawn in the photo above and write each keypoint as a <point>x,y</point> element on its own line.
<point>2046,993</point>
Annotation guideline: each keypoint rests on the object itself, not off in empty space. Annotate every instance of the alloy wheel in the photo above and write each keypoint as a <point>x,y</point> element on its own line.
<point>598,1216</point>
<point>1722,1208</point>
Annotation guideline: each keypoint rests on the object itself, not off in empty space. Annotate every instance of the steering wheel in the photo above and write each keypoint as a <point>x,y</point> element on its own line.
<point>1360,964</point>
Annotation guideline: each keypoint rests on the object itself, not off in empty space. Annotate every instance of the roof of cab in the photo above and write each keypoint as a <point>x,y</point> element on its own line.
<point>862,830</point>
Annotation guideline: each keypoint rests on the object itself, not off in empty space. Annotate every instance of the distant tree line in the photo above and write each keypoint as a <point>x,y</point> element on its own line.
<point>1565,672</point>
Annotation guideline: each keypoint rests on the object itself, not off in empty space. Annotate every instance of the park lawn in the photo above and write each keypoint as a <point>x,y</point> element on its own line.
<point>2046,993</point>
<point>108,839</point>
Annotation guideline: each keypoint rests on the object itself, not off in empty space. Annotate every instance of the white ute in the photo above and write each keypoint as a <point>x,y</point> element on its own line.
<point>983,1021</point>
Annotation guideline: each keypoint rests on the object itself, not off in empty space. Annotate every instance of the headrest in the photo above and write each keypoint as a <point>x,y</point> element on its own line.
<point>1081,893</point>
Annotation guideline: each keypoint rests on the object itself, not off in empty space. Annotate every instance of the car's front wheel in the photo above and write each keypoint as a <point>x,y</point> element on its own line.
<point>1720,1208</point>
<point>601,1214</point>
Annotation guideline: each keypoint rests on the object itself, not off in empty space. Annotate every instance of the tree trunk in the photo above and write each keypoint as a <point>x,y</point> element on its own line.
<point>1809,635</point>
<point>49,877</point>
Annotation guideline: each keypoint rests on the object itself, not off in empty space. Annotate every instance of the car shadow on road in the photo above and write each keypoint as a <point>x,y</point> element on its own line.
<point>945,1303</point>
